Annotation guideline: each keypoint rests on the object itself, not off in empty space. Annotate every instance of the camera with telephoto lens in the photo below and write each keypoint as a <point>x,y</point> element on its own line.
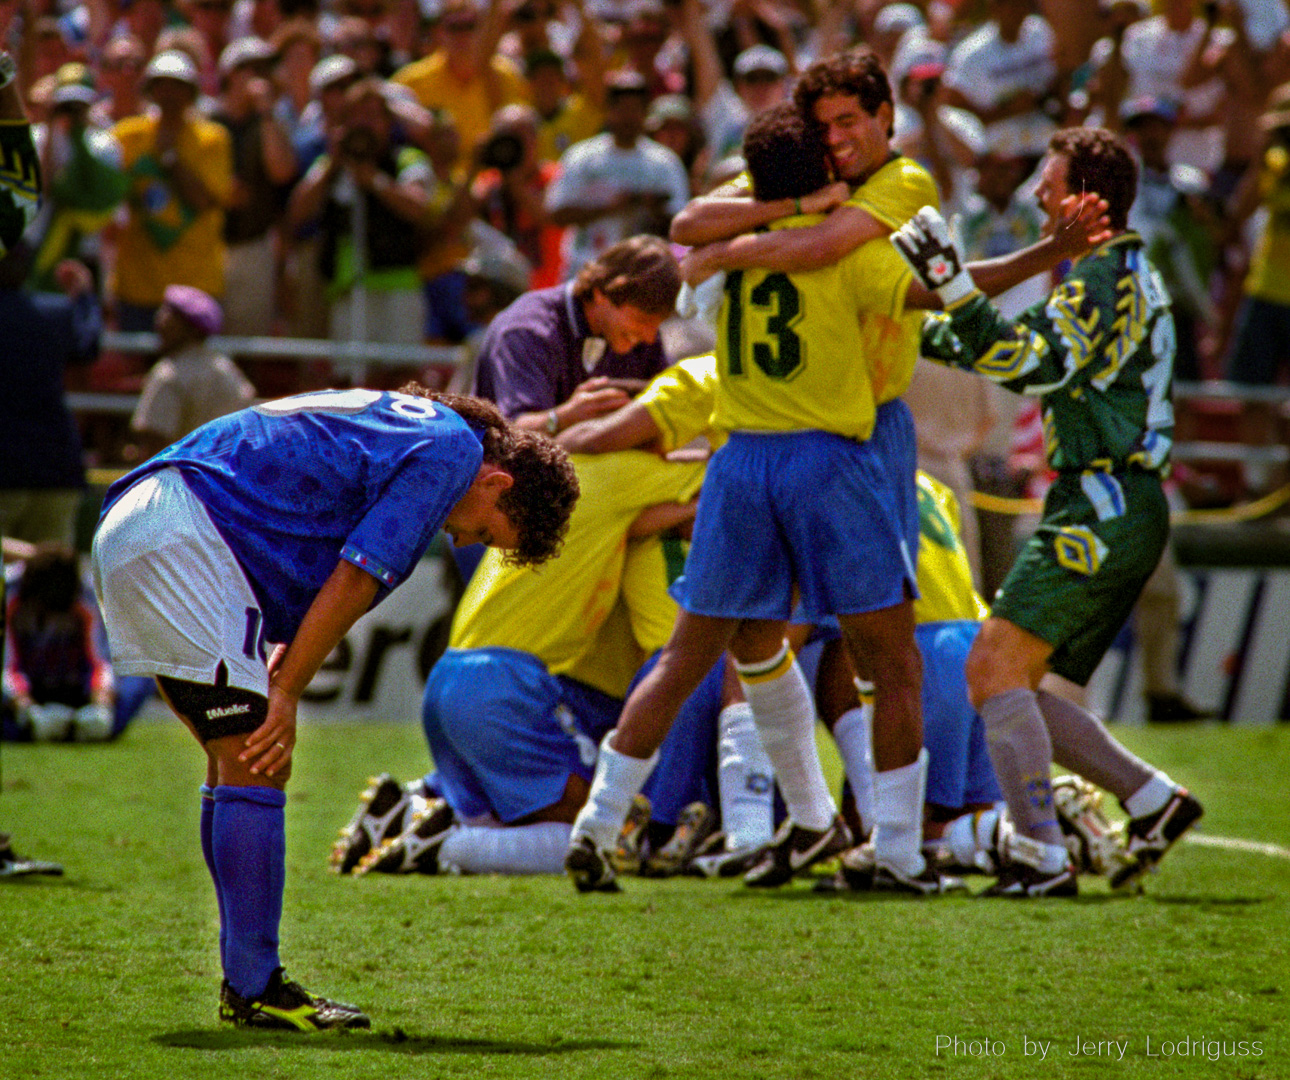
<point>361,144</point>
<point>503,151</point>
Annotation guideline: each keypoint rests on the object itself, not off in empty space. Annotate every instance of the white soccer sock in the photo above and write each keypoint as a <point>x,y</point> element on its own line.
<point>898,814</point>
<point>1151,796</point>
<point>745,780</point>
<point>523,849</point>
<point>617,780</point>
<point>853,734</point>
<point>785,716</point>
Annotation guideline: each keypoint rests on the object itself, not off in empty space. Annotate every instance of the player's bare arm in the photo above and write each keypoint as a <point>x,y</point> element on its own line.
<point>345,595</point>
<point>629,428</point>
<point>730,210</point>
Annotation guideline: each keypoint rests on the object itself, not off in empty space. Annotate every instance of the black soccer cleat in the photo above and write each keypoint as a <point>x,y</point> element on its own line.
<point>1021,881</point>
<point>382,810</point>
<point>287,1006</point>
<point>589,868</point>
<point>1147,838</point>
<point>794,849</point>
<point>416,849</point>
<point>14,865</point>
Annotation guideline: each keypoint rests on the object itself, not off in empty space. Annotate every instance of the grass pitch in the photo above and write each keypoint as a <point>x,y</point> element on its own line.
<point>112,971</point>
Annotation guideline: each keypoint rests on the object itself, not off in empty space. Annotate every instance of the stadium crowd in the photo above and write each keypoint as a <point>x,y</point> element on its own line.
<point>502,176</point>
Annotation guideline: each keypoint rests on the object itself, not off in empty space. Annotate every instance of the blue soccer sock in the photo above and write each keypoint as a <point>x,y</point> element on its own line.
<point>248,841</point>
<point>208,852</point>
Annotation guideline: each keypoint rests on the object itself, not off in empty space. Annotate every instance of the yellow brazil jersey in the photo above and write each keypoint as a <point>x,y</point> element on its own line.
<point>679,400</point>
<point>165,241</point>
<point>893,195</point>
<point>471,104</point>
<point>790,352</point>
<point>576,119</point>
<point>944,576</point>
<point>557,610</point>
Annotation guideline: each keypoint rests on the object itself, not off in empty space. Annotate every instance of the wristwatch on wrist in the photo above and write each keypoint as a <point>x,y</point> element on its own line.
<point>8,69</point>
<point>552,422</point>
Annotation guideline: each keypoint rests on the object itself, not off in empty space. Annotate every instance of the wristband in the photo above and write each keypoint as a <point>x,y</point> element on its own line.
<point>552,423</point>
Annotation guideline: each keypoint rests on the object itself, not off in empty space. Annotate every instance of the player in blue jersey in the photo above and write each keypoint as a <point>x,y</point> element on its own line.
<point>233,562</point>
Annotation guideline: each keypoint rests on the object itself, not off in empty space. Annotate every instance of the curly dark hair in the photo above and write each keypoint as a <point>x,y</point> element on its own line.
<point>784,154</point>
<point>1098,160</point>
<point>855,73</point>
<point>542,498</point>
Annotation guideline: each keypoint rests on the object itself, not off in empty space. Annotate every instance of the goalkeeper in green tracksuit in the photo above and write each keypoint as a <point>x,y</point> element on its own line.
<point>1098,353</point>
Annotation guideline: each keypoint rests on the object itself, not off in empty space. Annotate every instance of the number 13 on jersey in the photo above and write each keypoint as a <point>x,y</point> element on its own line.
<point>760,325</point>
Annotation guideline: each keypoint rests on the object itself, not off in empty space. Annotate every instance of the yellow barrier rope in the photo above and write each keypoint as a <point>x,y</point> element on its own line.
<point>1261,507</point>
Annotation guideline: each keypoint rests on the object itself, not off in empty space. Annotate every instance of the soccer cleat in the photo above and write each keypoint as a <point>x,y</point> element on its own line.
<point>696,823</point>
<point>14,865</point>
<point>626,856</point>
<point>859,871</point>
<point>589,868</point>
<point>1095,844</point>
<point>794,849</point>
<point>416,849</point>
<point>287,1006</point>
<point>1147,838</point>
<point>382,810</point>
<point>713,859</point>
<point>1021,877</point>
<point>928,882</point>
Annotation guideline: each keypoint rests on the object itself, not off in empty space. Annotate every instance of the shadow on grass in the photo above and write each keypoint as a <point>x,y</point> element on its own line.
<point>1213,901</point>
<point>392,1042</point>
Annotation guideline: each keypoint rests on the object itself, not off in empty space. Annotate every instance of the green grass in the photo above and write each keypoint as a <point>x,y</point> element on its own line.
<point>111,971</point>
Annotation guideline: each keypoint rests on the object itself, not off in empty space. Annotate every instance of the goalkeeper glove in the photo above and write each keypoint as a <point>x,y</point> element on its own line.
<point>925,243</point>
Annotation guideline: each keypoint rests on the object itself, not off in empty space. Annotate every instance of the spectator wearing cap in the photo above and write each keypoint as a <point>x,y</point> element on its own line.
<point>496,276</point>
<point>510,192</point>
<point>180,168</point>
<point>1179,228</point>
<point>80,165</point>
<point>565,115</point>
<point>617,184</point>
<point>303,301</point>
<point>671,122</point>
<point>370,197</point>
<point>1004,72</point>
<point>760,79</point>
<point>463,76</point>
<point>190,384</point>
<point>264,166</point>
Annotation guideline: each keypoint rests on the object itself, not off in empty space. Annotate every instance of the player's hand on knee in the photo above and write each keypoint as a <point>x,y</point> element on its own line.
<point>269,747</point>
<point>926,244</point>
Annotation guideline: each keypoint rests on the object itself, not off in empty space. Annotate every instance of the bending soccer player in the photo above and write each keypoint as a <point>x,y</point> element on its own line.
<point>233,562</point>
<point>1099,355</point>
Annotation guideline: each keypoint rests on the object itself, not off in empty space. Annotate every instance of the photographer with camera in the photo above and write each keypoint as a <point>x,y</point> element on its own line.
<point>510,190</point>
<point>371,199</point>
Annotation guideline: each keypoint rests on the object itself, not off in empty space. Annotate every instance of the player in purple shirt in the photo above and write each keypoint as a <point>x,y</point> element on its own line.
<point>232,563</point>
<point>576,351</point>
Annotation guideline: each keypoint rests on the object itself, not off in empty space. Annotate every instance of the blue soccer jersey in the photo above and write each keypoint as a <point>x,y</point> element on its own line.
<point>295,485</point>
